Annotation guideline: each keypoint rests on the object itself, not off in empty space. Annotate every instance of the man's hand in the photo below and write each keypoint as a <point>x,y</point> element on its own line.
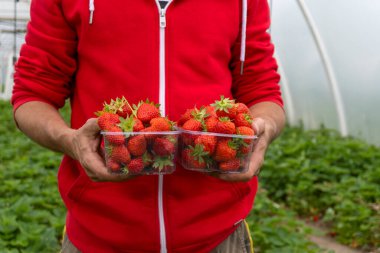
<point>260,146</point>
<point>84,147</point>
<point>268,122</point>
<point>44,125</point>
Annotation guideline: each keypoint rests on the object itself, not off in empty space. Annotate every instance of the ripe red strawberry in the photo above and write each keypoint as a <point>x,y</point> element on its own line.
<point>242,108</point>
<point>210,124</point>
<point>136,165</point>
<point>243,119</point>
<point>225,150</point>
<point>192,125</point>
<point>120,154</point>
<point>137,125</point>
<point>115,135</point>
<point>208,142</point>
<point>230,165</point>
<point>161,124</point>
<point>210,111</point>
<point>191,162</point>
<point>122,107</point>
<point>147,111</point>
<point>225,126</point>
<point>225,107</point>
<point>185,117</point>
<point>113,166</point>
<point>243,130</point>
<point>107,119</point>
<point>137,145</point>
<point>163,146</point>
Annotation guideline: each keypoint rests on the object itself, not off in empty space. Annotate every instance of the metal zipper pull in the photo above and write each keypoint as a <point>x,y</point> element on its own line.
<point>162,18</point>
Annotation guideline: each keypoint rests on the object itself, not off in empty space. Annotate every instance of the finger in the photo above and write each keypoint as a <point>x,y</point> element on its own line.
<point>91,126</point>
<point>97,170</point>
<point>258,125</point>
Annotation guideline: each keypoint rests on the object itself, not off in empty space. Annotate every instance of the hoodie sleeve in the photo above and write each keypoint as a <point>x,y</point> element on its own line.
<point>260,80</point>
<point>47,59</point>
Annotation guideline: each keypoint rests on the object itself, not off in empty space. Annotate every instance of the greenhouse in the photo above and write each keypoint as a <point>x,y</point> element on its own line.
<point>319,185</point>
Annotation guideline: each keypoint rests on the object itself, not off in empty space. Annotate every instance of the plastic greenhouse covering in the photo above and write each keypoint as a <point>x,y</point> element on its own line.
<point>328,54</point>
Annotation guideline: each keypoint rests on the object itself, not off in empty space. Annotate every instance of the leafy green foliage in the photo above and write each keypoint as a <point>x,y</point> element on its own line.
<point>31,211</point>
<point>322,175</point>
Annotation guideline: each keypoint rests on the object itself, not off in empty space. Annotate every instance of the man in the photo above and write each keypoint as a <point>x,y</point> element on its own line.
<point>179,53</point>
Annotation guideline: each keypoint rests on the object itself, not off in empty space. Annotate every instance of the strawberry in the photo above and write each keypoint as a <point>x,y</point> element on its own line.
<point>163,164</point>
<point>185,117</point>
<point>161,124</point>
<point>122,107</point>
<point>120,154</point>
<point>243,130</point>
<point>225,126</point>
<point>241,108</point>
<point>210,111</point>
<point>208,142</point>
<point>137,145</point>
<point>146,111</point>
<point>192,125</point>
<point>131,124</point>
<point>107,119</point>
<point>243,119</point>
<point>113,166</point>
<point>225,107</point>
<point>164,146</point>
<point>116,136</point>
<point>136,165</point>
<point>230,165</point>
<point>210,124</point>
<point>191,162</point>
<point>225,150</point>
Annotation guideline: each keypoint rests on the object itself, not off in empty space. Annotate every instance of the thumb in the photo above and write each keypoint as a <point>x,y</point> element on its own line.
<point>258,125</point>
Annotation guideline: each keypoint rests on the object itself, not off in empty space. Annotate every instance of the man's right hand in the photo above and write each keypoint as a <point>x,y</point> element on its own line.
<point>84,147</point>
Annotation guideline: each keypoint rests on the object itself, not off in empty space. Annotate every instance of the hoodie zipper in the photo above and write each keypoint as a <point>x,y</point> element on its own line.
<point>162,91</point>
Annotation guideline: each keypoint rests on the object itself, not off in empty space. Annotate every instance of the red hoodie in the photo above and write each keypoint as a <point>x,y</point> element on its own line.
<point>184,55</point>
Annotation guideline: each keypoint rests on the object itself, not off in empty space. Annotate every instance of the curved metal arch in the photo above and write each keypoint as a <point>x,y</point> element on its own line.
<point>327,66</point>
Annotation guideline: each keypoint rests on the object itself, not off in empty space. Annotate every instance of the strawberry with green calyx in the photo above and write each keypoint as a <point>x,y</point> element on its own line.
<point>131,124</point>
<point>193,125</point>
<point>230,165</point>
<point>122,107</point>
<point>226,149</point>
<point>225,126</point>
<point>225,107</point>
<point>185,117</point>
<point>208,142</point>
<point>145,111</point>
<point>136,165</point>
<point>192,162</point>
<point>163,163</point>
<point>210,112</point>
<point>243,119</point>
<point>120,154</point>
<point>137,145</point>
<point>162,124</point>
<point>147,159</point>
<point>115,135</point>
<point>164,146</point>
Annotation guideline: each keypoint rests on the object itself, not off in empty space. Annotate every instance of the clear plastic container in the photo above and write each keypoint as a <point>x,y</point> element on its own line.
<point>215,152</point>
<point>140,153</point>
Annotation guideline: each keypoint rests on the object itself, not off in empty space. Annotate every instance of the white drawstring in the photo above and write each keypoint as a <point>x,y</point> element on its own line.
<point>92,9</point>
<point>243,34</point>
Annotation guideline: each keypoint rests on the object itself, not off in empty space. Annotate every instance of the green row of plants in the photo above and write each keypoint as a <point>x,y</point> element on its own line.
<point>334,181</point>
<point>32,214</point>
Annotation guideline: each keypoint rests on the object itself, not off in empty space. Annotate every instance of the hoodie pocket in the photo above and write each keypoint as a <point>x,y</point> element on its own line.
<point>72,181</point>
